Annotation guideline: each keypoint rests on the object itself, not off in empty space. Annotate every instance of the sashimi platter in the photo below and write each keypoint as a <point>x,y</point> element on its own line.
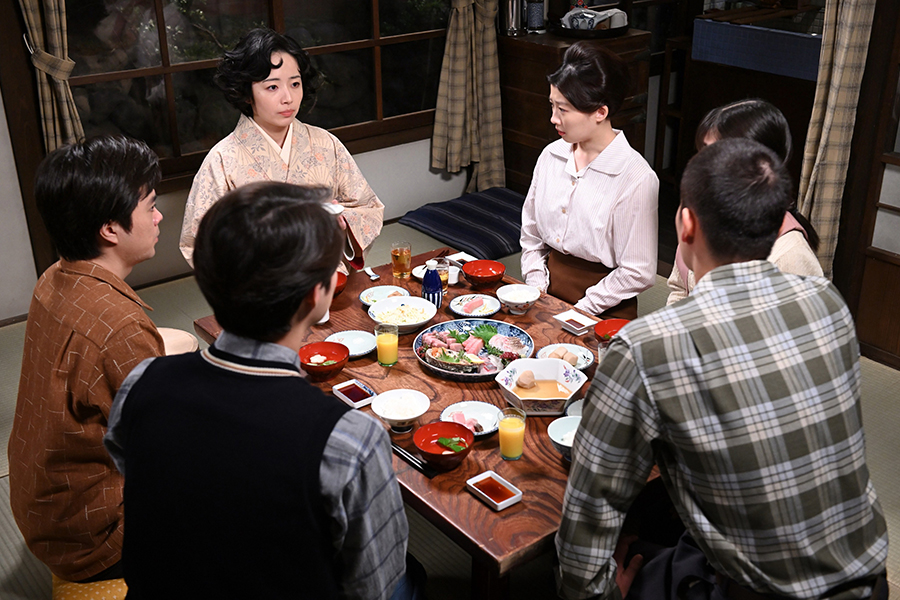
<point>471,349</point>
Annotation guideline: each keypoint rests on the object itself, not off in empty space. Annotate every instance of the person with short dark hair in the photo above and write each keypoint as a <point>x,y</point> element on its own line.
<point>86,330</point>
<point>269,77</point>
<point>589,222</point>
<point>794,248</point>
<point>747,397</point>
<point>243,480</point>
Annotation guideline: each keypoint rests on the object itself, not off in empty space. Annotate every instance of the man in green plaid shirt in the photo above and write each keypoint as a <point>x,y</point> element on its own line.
<point>746,394</point>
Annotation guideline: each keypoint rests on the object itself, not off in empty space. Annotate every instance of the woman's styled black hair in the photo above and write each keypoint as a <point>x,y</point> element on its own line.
<point>81,187</point>
<point>739,189</point>
<point>591,77</point>
<point>251,61</point>
<point>760,121</point>
<point>260,251</point>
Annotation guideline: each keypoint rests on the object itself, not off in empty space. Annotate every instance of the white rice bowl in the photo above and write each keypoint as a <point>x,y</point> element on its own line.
<point>400,408</point>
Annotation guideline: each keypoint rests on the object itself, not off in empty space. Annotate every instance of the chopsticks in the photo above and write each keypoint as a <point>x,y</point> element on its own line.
<point>414,462</point>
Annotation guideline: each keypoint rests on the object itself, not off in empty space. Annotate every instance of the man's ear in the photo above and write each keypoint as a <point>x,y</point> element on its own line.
<point>109,233</point>
<point>688,225</point>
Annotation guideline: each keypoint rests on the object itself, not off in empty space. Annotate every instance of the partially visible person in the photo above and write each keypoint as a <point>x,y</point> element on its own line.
<point>589,223</point>
<point>267,76</point>
<point>747,397</point>
<point>86,330</point>
<point>758,120</point>
<point>243,480</point>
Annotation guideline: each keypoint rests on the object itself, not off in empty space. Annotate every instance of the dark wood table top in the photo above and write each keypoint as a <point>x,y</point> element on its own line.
<point>497,540</point>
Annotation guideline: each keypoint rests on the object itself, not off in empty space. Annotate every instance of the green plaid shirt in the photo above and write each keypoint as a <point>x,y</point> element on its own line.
<point>746,394</point>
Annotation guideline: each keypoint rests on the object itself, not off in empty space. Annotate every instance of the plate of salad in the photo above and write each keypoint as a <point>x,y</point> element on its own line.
<point>471,349</point>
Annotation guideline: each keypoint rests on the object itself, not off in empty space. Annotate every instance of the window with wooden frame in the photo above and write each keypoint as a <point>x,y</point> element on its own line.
<point>145,68</point>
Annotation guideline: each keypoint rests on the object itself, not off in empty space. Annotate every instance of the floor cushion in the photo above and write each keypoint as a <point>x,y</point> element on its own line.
<point>485,224</point>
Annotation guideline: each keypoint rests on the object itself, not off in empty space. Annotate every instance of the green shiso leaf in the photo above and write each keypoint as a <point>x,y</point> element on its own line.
<point>457,444</point>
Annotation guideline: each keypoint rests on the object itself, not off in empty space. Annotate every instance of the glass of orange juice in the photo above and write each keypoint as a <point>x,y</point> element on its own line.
<point>386,341</point>
<point>512,433</point>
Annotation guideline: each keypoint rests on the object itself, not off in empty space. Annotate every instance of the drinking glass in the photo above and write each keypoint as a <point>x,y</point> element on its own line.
<point>443,269</point>
<point>401,259</point>
<point>512,433</point>
<point>386,340</point>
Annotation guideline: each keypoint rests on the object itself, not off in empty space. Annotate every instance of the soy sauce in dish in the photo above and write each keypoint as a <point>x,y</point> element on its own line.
<point>354,392</point>
<point>576,324</point>
<point>493,489</point>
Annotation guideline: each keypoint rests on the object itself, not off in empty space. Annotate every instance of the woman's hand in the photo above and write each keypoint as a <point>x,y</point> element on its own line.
<point>625,576</point>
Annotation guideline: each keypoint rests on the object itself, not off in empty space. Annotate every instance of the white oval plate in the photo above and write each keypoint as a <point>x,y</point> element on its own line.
<point>373,294</point>
<point>487,415</point>
<point>585,356</point>
<point>357,341</point>
<point>490,307</point>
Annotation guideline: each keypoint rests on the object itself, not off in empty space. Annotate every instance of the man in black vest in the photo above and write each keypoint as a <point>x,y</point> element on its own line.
<point>242,480</point>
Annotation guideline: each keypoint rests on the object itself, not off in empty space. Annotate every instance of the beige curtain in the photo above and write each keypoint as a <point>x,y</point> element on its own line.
<point>45,21</point>
<point>845,42</point>
<point>467,125</point>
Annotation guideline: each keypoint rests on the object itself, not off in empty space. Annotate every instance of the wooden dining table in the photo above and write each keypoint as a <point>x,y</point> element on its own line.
<point>498,542</point>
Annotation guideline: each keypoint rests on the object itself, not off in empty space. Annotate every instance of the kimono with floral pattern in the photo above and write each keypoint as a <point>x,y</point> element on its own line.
<point>317,158</point>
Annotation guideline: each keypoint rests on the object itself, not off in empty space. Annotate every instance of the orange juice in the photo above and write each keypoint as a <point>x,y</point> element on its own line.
<point>387,349</point>
<point>512,436</point>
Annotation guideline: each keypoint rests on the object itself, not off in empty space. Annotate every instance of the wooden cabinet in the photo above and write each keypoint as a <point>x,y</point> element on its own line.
<point>525,63</point>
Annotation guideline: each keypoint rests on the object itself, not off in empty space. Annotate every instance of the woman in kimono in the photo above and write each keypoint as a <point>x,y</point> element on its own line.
<point>266,77</point>
<point>589,222</point>
<point>758,120</point>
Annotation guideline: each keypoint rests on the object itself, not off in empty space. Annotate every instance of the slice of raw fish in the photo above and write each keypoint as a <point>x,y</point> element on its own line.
<point>456,346</point>
<point>474,345</point>
<point>472,305</point>
<point>507,344</point>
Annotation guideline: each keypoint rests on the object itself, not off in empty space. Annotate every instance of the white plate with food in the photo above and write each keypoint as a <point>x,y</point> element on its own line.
<point>407,313</point>
<point>482,418</point>
<point>359,342</point>
<point>475,305</point>
<point>577,356</point>
<point>467,349</point>
<point>372,295</point>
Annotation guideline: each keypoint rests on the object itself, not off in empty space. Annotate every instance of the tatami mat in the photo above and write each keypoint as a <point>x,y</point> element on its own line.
<point>12,340</point>
<point>22,576</point>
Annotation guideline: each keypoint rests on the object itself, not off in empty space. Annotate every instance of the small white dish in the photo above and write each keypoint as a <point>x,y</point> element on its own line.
<point>461,258</point>
<point>506,503</point>
<point>558,429</point>
<point>372,295</point>
<point>379,311</point>
<point>334,208</point>
<point>575,409</point>
<point>487,415</point>
<point>400,408</point>
<point>585,356</point>
<point>419,273</point>
<point>358,342</point>
<point>350,389</point>
<point>489,305</point>
<point>570,378</point>
<point>574,322</point>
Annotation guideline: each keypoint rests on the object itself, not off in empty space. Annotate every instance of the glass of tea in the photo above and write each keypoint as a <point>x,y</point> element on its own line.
<point>401,259</point>
<point>443,269</point>
<point>512,433</point>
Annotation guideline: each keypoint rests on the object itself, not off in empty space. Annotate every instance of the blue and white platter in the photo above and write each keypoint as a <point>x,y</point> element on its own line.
<point>467,325</point>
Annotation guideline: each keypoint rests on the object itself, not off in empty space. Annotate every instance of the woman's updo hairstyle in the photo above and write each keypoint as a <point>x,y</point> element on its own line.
<point>251,61</point>
<point>592,77</point>
<point>753,119</point>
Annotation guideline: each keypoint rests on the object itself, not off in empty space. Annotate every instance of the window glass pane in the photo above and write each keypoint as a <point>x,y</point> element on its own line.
<point>887,231</point>
<point>133,107</point>
<point>890,186</point>
<point>111,36</point>
<point>406,16</point>
<point>204,116</point>
<point>203,29</point>
<point>897,141</point>
<point>410,74</point>
<point>347,94</point>
<point>319,23</point>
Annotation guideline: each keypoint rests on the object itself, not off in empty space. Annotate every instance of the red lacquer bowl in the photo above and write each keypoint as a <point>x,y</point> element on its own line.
<point>426,441</point>
<point>484,272</point>
<point>340,285</point>
<point>608,327</point>
<point>331,351</point>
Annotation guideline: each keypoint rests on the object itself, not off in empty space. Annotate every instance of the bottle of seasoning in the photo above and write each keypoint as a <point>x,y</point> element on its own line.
<point>431,284</point>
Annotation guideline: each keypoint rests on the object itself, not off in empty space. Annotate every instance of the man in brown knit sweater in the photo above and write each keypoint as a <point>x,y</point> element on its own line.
<point>86,330</point>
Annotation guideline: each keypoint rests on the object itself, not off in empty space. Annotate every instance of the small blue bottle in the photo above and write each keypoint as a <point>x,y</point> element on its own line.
<point>431,284</point>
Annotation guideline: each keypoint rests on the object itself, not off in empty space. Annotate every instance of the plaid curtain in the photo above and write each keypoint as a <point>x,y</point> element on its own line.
<point>50,57</point>
<point>467,123</point>
<point>845,42</point>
